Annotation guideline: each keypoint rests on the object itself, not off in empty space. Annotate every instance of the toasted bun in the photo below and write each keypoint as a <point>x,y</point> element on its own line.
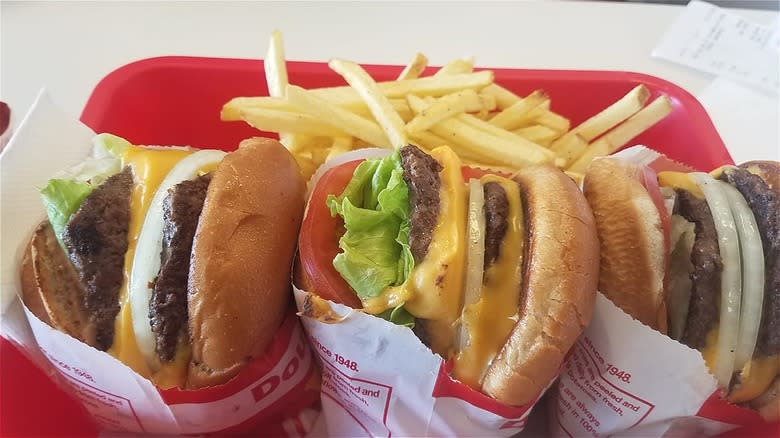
<point>631,235</point>
<point>559,290</point>
<point>769,171</point>
<point>241,259</point>
<point>51,288</point>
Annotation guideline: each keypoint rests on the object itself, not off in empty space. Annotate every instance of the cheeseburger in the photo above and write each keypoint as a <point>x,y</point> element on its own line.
<point>697,256</point>
<point>175,261</point>
<point>497,274</point>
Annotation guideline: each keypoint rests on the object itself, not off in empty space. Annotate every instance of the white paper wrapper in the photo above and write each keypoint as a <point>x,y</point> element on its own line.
<point>378,379</point>
<point>626,379</point>
<point>273,392</point>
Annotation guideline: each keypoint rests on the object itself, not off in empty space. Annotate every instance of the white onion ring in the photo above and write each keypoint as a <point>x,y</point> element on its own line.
<point>730,278</point>
<point>146,261</point>
<point>752,274</point>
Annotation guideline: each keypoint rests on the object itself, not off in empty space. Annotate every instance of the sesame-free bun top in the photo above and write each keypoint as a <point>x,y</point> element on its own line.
<point>560,275</point>
<point>239,288</point>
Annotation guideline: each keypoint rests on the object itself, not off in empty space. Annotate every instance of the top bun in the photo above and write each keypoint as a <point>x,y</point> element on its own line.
<point>560,273</point>
<point>239,288</point>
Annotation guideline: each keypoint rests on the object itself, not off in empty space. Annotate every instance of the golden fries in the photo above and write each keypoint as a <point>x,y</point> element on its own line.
<point>510,152</point>
<point>348,122</point>
<point>289,122</point>
<point>538,134</point>
<point>458,66</point>
<point>514,116</point>
<point>444,108</point>
<point>415,68</point>
<point>380,107</point>
<point>623,133</point>
<point>484,122</point>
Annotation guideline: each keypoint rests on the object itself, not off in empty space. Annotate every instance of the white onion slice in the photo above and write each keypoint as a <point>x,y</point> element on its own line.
<point>475,256</point>
<point>752,274</point>
<point>146,261</point>
<point>683,236</point>
<point>730,278</point>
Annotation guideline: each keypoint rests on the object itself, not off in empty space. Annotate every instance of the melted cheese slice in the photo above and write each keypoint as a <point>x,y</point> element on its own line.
<point>679,180</point>
<point>755,377</point>
<point>490,320</point>
<point>433,290</point>
<point>150,165</point>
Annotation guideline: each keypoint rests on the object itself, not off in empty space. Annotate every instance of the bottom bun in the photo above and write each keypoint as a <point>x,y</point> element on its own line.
<point>559,286</point>
<point>633,259</point>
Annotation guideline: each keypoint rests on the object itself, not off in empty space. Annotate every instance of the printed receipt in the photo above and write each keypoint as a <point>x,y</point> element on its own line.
<point>713,40</point>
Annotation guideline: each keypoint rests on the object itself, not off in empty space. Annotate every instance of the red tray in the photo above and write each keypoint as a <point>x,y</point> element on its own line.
<point>177,100</point>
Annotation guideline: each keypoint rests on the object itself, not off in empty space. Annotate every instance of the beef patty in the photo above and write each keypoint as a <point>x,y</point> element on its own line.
<point>421,174</point>
<point>765,204</point>
<point>96,241</point>
<point>704,309</point>
<point>496,212</point>
<point>168,305</point>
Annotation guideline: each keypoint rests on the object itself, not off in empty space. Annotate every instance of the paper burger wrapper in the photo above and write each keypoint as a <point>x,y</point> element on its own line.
<point>379,380</point>
<point>626,379</point>
<point>273,395</point>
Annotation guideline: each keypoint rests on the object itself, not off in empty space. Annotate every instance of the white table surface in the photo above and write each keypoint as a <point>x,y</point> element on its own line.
<point>69,47</point>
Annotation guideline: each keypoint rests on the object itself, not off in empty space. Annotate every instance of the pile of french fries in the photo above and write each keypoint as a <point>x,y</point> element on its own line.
<point>486,124</point>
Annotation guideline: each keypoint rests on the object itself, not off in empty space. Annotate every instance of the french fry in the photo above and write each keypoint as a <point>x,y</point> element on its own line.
<point>624,132</point>
<point>289,122</point>
<point>539,134</point>
<point>427,140</point>
<point>522,143</point>
<point>569,147</point>
<point>512,117</point>
<point>599,148</point>
<point>458,66</point>
<point>396,91</point>
<point>275,68</point>
<point>480,143</point>
<point>346,121</point>
<point>638,123</point>
<point>339,146</point>
<point>425,86</point>
<point>551,120</point>
<point>414,68</point>
<point>485,123</point>
<point>380,107</point>
<point>504,97</point>
<point>231,111</point>
<point>487,101</point>
<point>443,108</point>
<point>611,116</point>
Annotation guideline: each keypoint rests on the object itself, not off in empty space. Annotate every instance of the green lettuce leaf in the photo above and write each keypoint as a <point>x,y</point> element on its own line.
<point>375,247</point>
<point>398,316</point>
<point>62,197</point>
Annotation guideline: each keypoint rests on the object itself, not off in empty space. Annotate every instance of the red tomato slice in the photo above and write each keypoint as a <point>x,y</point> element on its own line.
<point>649,180</point>
<point>318,241</point>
